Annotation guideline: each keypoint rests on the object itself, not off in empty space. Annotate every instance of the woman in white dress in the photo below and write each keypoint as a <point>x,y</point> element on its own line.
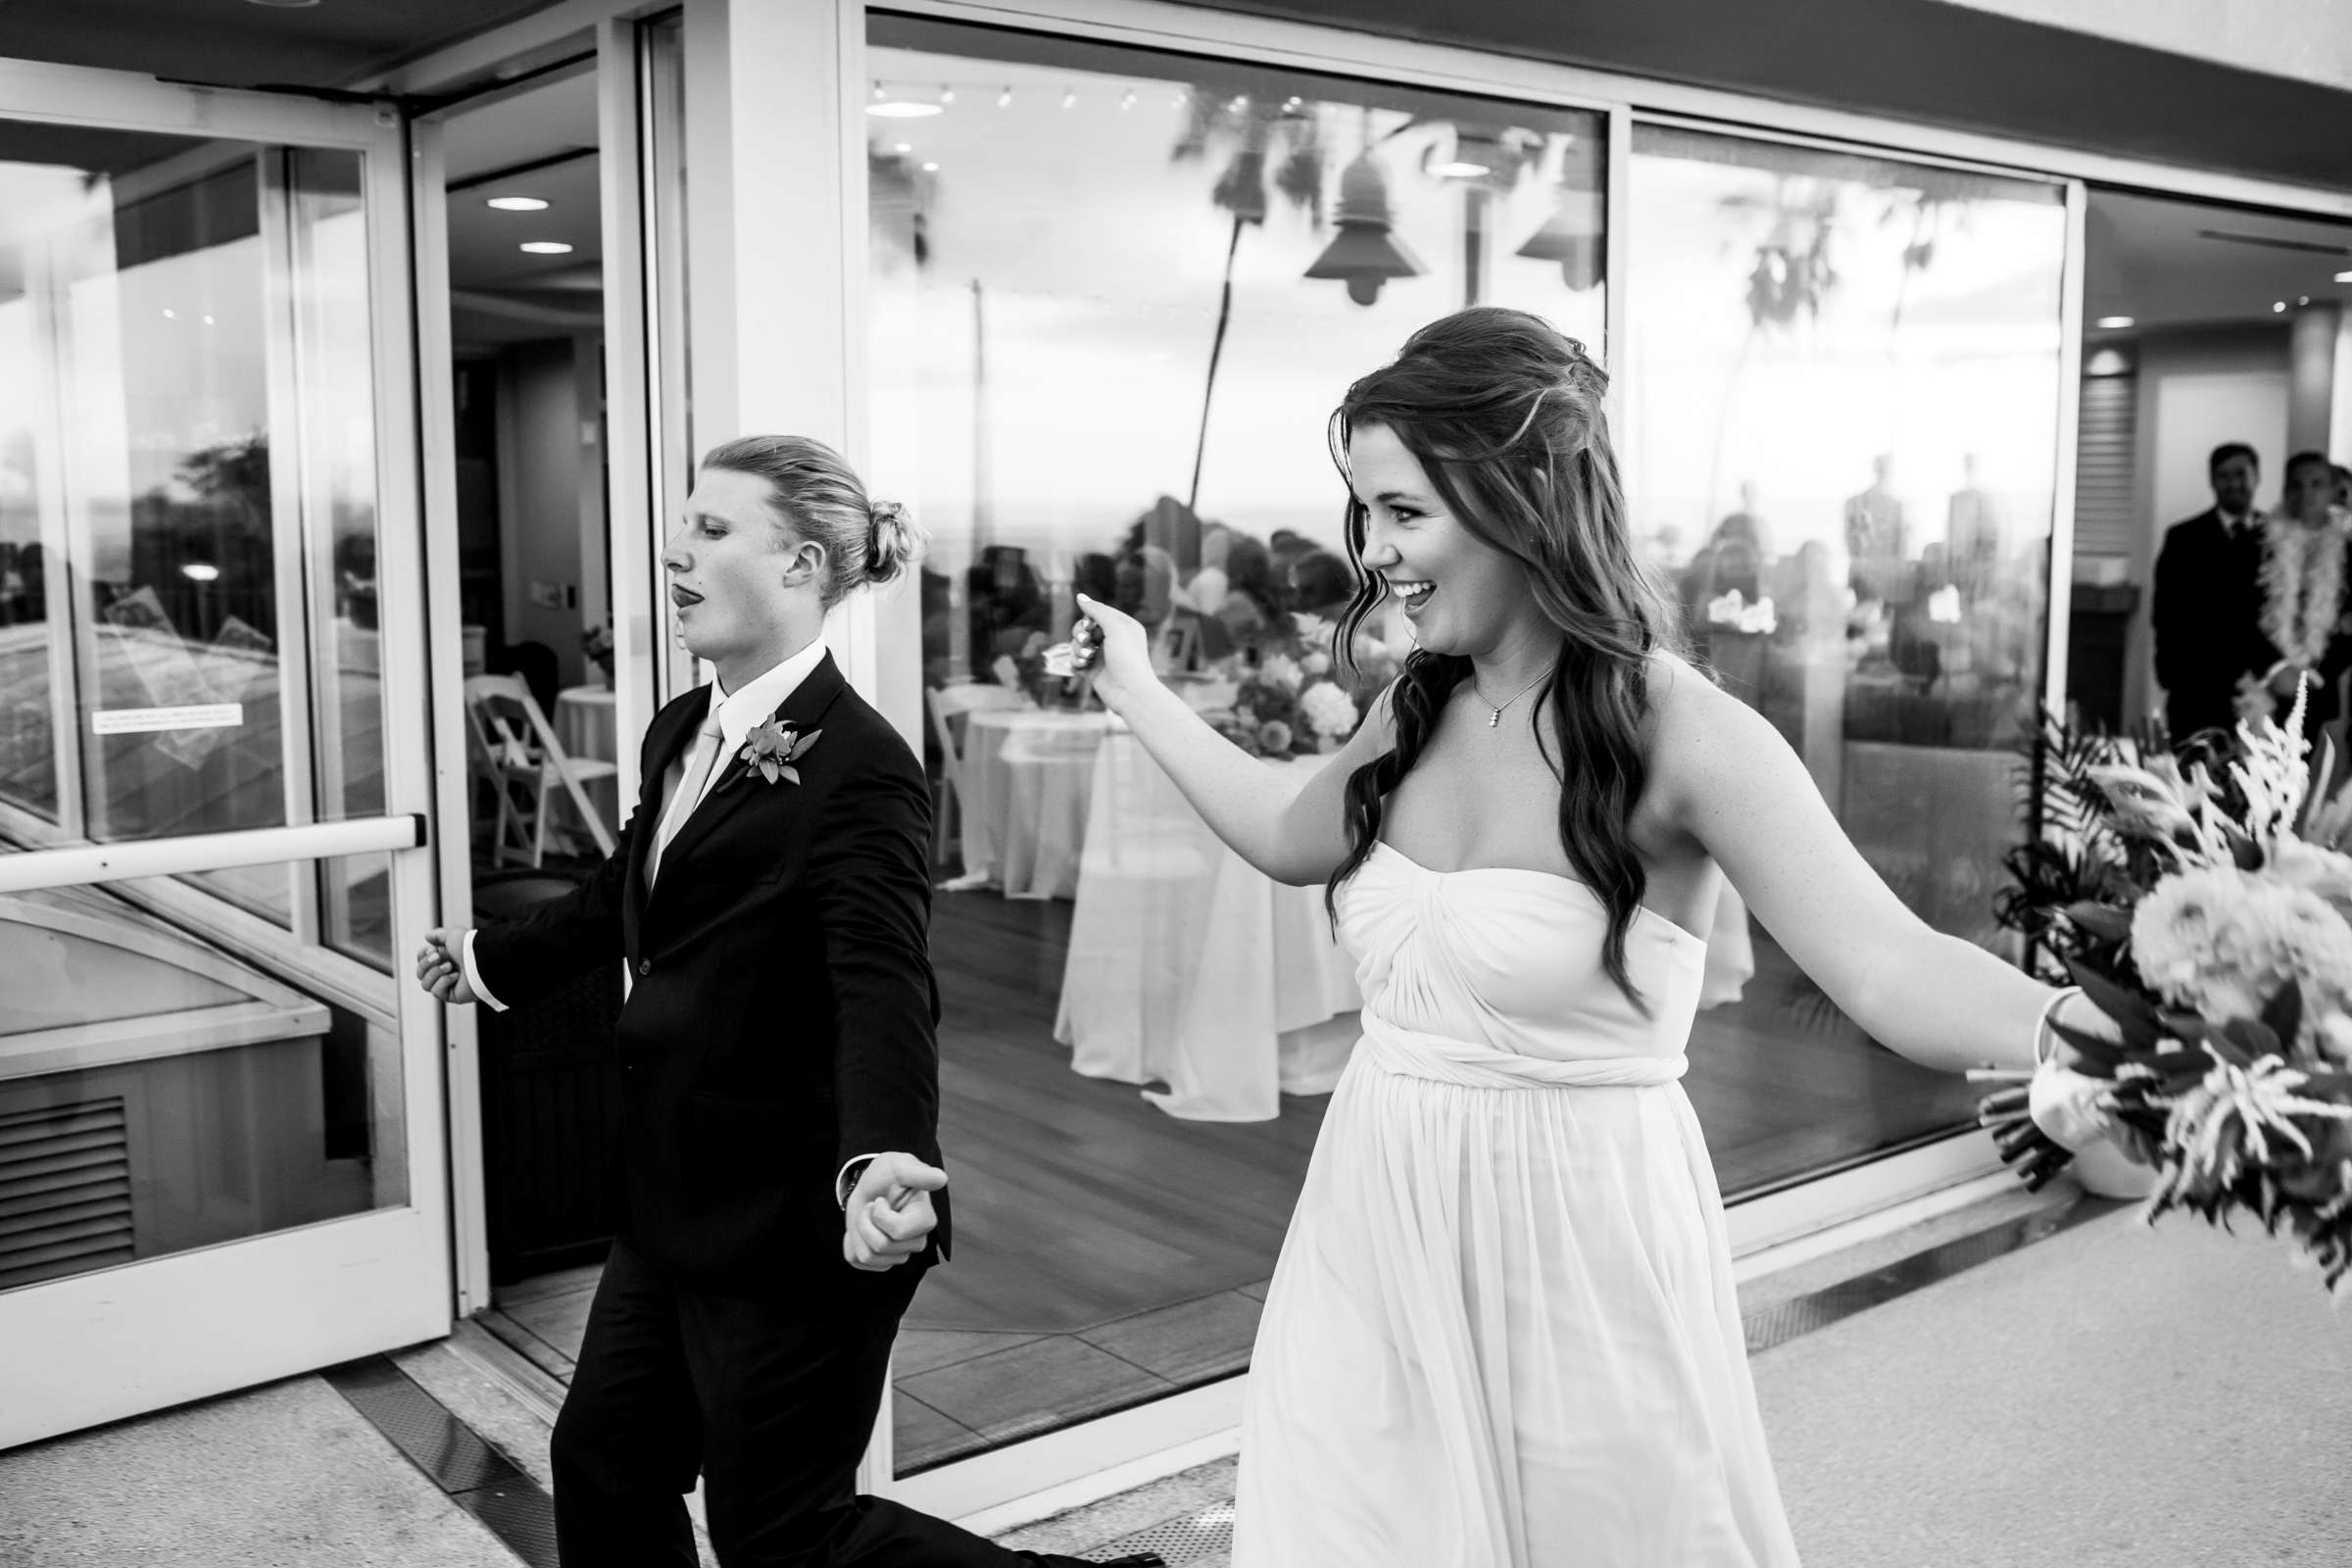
<point>1502,1332</point>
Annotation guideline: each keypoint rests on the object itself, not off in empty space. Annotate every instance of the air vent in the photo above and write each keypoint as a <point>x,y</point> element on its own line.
<point>65,1191</point>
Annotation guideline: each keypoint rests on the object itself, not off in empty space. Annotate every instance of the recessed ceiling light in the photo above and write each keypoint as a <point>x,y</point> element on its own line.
<point>2277,307</point>
<point>904,148</point>
<point>1460,168</point>
<point>2343,277</point>
<point>517,204</point>
<point>902,108</point>
<point>2114,324</point>
<point>930,169</point>
<point>546,247</point>
<point>205,571</point>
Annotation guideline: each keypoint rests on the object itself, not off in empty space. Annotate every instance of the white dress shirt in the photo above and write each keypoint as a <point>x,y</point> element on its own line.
<point>739,713</point>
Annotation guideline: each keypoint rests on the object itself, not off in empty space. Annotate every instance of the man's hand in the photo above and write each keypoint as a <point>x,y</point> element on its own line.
<point>440,970</point>
<point>888,1218</point>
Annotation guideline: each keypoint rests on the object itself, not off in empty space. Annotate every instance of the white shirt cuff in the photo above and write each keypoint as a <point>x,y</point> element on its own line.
<point>850,1171</point>
<point>473,975</point>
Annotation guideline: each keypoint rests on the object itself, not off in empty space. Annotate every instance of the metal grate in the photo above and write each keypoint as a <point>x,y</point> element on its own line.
<point>65,1191</point>
<point>1788,1320</point>
<point>477,1477</point>
<point>1179,1540</point>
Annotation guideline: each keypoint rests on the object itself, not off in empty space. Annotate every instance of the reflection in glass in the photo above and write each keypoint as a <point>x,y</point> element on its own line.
<point>1841,445</point>
<point>1115,297</point>
<point>159,1092</point>
<point>186,433</point>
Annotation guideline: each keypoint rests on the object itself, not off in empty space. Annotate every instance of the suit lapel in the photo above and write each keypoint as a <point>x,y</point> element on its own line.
<point>803,710</point>
<point>672,733</point>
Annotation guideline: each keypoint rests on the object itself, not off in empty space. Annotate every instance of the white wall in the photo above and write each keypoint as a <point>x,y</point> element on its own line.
<point>550,544</point>
<point>2197,391</point>
<point>2308,40</point>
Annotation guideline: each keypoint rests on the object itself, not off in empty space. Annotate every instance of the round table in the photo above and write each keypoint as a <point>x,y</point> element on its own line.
<point>584,723</point>
<point>1027,774</point>
<point>1189,966</point>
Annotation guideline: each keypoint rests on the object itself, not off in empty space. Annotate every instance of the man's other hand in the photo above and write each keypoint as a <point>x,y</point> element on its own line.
<point>439,968</point>
<point>889,1217</point>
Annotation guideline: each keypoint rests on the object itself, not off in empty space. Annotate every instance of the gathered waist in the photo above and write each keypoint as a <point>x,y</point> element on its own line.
<point>1440,1058</point>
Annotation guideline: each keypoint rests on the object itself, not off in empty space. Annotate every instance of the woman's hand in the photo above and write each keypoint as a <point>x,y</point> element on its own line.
<point>1118,647</point>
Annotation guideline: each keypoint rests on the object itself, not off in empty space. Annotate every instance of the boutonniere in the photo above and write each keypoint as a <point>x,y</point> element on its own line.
<point>772,747</point>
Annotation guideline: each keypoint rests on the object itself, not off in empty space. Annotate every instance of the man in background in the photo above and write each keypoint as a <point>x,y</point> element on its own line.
<point>2207,612</point>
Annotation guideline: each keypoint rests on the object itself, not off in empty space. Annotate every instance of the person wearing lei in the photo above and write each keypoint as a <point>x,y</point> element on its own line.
<point>2303,605</point>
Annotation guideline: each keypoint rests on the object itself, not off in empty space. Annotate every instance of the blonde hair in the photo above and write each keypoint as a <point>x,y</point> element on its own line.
<point>819,499</point>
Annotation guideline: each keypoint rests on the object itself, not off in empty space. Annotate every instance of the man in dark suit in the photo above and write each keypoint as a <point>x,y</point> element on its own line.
<point>2207,612</point>
<point>781,1190</point>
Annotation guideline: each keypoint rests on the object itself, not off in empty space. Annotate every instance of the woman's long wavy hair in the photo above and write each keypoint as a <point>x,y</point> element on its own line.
<point>1504,414</point>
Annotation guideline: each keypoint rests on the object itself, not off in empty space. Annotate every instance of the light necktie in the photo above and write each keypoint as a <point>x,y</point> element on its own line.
<point>694,778</point>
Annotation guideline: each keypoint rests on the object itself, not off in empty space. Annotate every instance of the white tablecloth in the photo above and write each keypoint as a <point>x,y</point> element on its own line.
<point>1027,774</point>
<point>1186,967</point>
<point>583,722</point>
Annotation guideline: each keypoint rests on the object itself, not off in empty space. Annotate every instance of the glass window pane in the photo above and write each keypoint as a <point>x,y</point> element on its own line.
<point>187,441</point>
<point>168,1083</point>
<point>1843,412</point>
<point>1115,297</point>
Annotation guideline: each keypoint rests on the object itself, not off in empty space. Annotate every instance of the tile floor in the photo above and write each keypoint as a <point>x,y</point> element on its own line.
<point>959,1389</point>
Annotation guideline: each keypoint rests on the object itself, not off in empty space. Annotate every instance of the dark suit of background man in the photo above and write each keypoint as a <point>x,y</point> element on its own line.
<point>2207,612</point>
<point>777,1046</point>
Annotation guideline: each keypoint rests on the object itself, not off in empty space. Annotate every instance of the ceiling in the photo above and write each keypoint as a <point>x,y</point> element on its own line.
<point>236,44</point>
<point>543,143</point>
<point>1917,60</point>
<point>2168,263</point>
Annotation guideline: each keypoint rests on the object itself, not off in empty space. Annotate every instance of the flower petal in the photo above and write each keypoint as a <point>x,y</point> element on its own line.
<point>801,748</point>
<point>792,775</point>
<point>768,768</point>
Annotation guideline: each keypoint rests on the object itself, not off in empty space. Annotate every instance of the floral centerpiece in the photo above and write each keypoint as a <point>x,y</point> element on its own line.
<point>2203,908</point>
<point>1288,699</point>
<point>597,643</point>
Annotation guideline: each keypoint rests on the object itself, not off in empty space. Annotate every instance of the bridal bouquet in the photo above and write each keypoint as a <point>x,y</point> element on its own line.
<point>2204,910</point>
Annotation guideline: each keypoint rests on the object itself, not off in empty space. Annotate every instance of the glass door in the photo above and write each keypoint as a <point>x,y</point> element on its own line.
<point>221,1155</point>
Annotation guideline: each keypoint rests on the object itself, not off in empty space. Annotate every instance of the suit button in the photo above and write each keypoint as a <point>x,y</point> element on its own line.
<point>645,967</point>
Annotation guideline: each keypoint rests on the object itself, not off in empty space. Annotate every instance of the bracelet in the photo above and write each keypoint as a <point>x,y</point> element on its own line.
<point>2049,1015</point>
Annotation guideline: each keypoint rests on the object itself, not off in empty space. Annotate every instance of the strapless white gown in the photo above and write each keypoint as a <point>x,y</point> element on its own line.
<point>1503,1333</point>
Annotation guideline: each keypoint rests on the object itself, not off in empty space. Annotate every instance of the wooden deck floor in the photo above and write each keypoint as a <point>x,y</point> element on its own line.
<point>1107,1253</point>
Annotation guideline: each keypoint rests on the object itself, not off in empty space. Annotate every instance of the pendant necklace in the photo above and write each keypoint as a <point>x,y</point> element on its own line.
<point>1494,716</point>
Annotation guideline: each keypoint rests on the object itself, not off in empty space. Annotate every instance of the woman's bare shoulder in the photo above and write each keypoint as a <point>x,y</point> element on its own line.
<point>1692,725</point>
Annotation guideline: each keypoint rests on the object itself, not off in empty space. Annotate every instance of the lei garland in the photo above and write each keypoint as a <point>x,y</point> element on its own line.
<point>2302,587</point>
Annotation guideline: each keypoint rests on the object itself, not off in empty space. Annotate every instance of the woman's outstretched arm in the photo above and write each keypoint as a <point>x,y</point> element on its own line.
<point>1292,834</point>
<point>1721,774</point>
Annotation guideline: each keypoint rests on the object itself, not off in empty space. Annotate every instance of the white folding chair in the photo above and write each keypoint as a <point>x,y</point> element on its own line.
<point>516,752</point>
<point>949,707</point>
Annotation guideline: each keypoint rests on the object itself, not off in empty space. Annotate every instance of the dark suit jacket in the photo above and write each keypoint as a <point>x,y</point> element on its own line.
<point>783,1017</point>
<point>2207,616</point>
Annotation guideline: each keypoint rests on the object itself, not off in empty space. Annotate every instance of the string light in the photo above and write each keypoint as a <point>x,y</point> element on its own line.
<point>931,169</point>
<point>877,90</point>
<point>1128,102</point>
<point>1005,98</point>
<point>947,95</point>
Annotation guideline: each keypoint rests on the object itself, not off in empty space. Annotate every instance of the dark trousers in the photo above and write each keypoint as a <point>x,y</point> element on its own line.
<point>770,1403</point>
